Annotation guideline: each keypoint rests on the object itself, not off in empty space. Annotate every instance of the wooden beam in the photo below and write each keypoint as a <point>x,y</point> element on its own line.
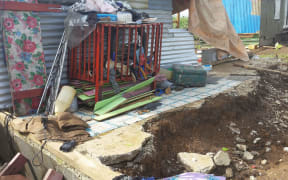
<point>22,6</point>
<point>178,20</point>
<point>52,175</point>
<point>14,166</point>
<point>261,69</point>
<point>28,94</point>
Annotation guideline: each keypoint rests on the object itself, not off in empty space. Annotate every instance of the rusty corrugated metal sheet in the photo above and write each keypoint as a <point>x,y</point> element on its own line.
<point>244,15</point>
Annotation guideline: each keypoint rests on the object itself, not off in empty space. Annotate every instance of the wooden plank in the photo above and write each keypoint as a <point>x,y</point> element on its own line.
<point>114,104</point>
<point>52,175</point>
<point>14,166</point>
<point>105,102</point>
<point>261,69</point>
<point>125,109</point>
<point>28,94</point>
<point>23,6</point>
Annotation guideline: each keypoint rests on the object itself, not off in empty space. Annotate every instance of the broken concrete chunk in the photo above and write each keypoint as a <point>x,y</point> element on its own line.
<point>248,156</point>
<point>256,140</point>
<point>229,173</point>
<point>267,149</point>
<point>210,154</point>
<point>241,147</point>
<point>253,133</point>
<point>232,124</point>
<point>264,162</point>
<point>239,166</point>
<point>255,153</point>
<point>235,130</point>
<point>240,140</point>
<point>260,123</point>
<point>222,159</point>
<point>238,153</point>
<point>285,149</point>
<point>196,162</point>
<point>268,143</point>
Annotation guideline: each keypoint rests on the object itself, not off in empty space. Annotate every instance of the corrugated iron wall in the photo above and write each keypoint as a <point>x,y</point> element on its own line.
<point>5,95</point>
<point>244,14</point>
<point>161,4</point>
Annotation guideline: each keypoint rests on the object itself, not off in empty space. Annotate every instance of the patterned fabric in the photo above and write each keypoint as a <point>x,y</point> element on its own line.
<point>24,56</point>
<point>23,50</point>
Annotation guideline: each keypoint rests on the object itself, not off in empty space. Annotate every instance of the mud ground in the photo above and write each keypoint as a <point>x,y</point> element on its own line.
<point>257,108</point>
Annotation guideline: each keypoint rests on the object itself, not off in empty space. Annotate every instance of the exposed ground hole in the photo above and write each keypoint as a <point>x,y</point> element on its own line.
<point>207,130</point>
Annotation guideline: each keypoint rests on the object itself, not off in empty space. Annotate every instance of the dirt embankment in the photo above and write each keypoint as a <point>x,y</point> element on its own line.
<point>260,114</point>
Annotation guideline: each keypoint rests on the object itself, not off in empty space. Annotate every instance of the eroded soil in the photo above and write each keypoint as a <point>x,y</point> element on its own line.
<point>260,114</point>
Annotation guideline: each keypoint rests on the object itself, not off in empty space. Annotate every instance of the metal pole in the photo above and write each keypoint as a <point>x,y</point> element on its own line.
<point>60,73</point>
<point>50,74</point>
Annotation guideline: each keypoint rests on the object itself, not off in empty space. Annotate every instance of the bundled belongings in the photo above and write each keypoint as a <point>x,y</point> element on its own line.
<point>63,127</point>
<point>189,75</point>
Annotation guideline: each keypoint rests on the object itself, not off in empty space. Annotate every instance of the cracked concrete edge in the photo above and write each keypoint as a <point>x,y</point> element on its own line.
<point>116,159</point>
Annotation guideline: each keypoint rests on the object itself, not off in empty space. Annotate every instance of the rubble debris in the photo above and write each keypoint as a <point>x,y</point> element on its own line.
<point>256,140</point>
<point>239,166</point>
<point>229,173</point>
<point>241,147</point>
<point>285,149</point>
<point>222,159</point>
<point>248,156</point>
<point>196,162</point>
<point>211,154</point>
<point>255,153</point>
<point>235,130</point>
<point>268,149</point>
<point>264,162</point>
<point>240,140</point>
<point>253,133</point>
<point>268,143</point>
<point>238,153</point>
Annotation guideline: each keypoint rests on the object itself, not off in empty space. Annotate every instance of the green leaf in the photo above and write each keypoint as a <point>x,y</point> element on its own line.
<point>38,54</point>
<point>19,42</point>
<point>23,37</point>
<point>32,74</point>
<point>30,38</point>
<point>16,22</point>
<point>225,149</point>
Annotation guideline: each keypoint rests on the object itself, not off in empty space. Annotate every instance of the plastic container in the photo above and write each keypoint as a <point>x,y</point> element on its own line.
<point>209,56</point>
<point>64,99</point>
<point>113,17</point>
<point>189,75</point>
<point>74,105</point>
<point>167,73</point>
<point>207,67</point>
